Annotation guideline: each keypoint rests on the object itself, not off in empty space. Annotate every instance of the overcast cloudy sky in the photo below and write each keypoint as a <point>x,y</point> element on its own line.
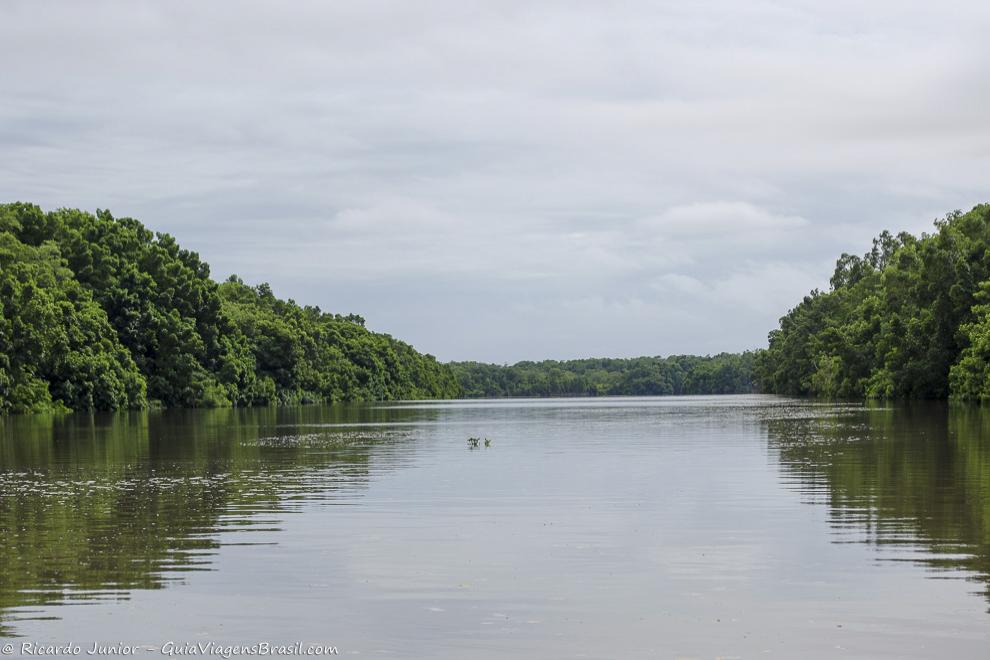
<point>508,180</point>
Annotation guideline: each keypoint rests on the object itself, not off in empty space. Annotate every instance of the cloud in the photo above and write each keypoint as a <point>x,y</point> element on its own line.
<point>721,218</point>
<point>761,288</point>
<point>499,180</point>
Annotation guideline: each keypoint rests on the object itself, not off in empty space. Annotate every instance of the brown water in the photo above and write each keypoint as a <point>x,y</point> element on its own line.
<point>706,527</point>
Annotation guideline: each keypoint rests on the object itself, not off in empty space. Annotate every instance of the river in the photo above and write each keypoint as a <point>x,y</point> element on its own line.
<point>666,527</point>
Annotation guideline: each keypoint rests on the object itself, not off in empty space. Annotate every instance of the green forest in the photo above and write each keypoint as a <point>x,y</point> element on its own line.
<point>908,319</point>
<point>726,373</point>
<point>100,313</point>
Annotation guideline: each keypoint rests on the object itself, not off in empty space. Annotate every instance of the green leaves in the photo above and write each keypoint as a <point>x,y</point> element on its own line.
<point>57,348</point>
<point>900,322</point>
<point>301,354</point>
<point>98,312</point>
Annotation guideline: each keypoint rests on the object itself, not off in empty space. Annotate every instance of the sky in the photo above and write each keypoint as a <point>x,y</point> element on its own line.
<point>503,180</point>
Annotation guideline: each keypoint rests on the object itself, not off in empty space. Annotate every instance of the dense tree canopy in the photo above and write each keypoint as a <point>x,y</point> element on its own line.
<point>57,348</point>
<point>98,312</point>
<point>909,319</point>
<point>303,354</point>
<point>726,373</point>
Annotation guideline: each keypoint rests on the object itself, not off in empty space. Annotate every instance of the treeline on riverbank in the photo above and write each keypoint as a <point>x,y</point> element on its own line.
<point>99,313</point>
<point>726,373</point>
<point>908,319</point>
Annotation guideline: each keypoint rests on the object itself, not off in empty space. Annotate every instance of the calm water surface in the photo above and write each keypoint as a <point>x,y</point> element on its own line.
<point>702,527</point>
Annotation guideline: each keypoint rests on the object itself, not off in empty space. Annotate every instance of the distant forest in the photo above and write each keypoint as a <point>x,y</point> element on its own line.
<point>908,319</point>
<point>727,373</point>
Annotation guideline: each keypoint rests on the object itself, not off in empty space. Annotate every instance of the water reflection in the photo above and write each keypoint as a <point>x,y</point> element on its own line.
<point>913,481</point>
<point>583,520</point>
<point>92,507</point>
